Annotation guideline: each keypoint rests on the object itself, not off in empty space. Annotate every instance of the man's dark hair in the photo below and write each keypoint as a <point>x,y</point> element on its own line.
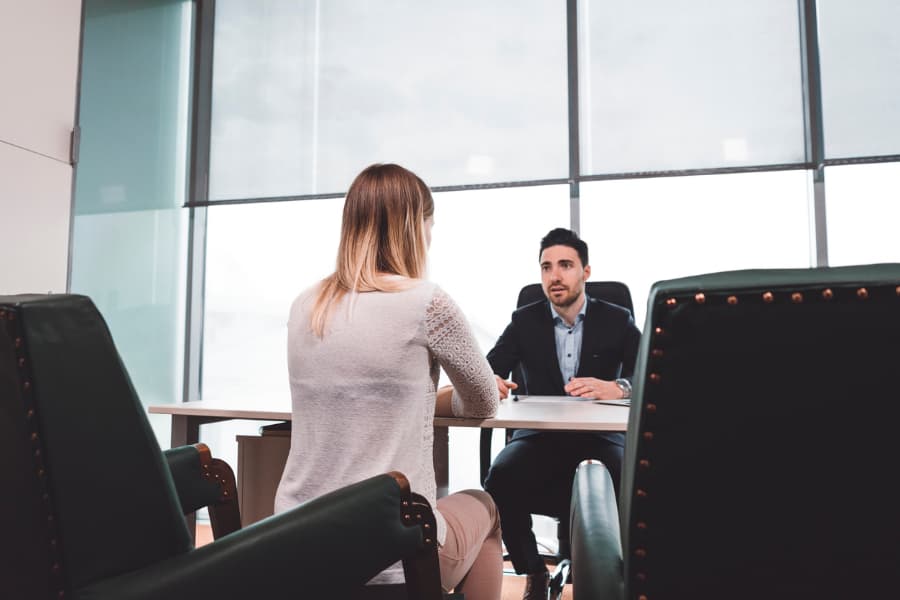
<point>565,237</point>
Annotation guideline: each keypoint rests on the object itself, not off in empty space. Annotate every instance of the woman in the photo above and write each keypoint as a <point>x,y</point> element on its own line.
<point>365,348</point>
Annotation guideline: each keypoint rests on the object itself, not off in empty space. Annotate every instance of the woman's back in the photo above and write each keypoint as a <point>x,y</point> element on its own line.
<point>363,395</point>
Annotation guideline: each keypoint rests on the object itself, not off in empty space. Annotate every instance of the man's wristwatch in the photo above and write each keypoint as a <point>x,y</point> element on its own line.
<point>625,386</point>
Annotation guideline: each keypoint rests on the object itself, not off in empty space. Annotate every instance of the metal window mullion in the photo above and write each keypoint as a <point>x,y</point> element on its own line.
<point>574,139</point>
<point>74,153</point>
<point>198,194</point>
<point>813,130</point>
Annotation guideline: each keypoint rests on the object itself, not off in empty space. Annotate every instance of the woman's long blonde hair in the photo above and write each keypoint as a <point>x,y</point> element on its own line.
<point>382,233</point>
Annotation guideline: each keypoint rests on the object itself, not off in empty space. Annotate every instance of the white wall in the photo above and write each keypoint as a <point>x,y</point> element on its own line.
<point>39,47</point>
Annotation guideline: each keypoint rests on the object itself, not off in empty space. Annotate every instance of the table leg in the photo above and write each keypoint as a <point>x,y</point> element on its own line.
<point>185,430</point>
<point>441,460</point>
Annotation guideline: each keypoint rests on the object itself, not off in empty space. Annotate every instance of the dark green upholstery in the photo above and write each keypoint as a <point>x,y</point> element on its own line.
<point>27,554</point>
<point>194,491</point>
<point>325,548</point>
<point>762,443</point>
<point>90,509</point>
<point>594,534</point>
<point>103,467</point>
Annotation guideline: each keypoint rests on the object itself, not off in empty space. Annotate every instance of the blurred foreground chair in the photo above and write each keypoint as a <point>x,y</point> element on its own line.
<point>91,509</point>
<point>762,444</point>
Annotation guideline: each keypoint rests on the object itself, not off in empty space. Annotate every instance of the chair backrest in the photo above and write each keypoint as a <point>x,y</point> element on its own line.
<point>614,292</point>
<point>763,437</point>
<point>81,467</point>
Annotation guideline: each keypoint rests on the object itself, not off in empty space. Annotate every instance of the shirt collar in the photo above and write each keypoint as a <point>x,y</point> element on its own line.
<point>578,318</point>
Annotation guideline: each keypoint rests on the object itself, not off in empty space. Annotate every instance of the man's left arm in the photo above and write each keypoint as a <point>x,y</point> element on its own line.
<point>505,353</point>
<point>601,389</point>
<point>630,349</point>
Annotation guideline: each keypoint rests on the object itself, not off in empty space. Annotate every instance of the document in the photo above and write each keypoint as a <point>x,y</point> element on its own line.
<point>554,399</point>
<point>618,402</point>
<point>549,399</point>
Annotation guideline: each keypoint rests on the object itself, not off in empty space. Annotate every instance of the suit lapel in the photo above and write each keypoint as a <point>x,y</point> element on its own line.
<point>589,333</point>
<point>547,344</point>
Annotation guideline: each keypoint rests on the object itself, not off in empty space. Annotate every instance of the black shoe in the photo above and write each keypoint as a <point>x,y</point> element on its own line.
<point>536,586</point>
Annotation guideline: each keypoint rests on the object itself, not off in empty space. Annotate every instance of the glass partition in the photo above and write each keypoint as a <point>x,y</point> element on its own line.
<point>129,238</point>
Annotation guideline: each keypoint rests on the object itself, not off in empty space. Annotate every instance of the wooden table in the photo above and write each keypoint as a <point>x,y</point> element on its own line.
<point>531,412</point>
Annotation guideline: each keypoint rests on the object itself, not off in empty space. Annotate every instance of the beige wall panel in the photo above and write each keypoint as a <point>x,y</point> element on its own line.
<point>35,202</point>
<point>39,46</point>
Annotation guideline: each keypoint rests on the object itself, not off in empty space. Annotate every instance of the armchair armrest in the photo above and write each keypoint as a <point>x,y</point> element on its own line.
<point>597,564</point>
<point>203,481</point>
<point>323,548</point>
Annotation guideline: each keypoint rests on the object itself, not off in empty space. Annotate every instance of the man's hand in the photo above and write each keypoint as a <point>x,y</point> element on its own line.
<point>505,387</point>
<point>595,389</point>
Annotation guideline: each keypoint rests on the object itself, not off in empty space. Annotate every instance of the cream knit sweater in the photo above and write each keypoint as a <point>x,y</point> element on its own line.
<point>363,396</point>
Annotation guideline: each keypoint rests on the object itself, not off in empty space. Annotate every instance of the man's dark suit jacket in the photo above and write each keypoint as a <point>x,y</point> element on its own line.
<point>609,346</point>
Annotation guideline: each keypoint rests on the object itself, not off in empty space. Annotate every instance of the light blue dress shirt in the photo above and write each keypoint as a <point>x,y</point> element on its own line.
<point>568,341</point>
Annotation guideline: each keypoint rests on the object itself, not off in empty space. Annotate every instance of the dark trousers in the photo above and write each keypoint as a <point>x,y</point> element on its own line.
<point>534,474</point>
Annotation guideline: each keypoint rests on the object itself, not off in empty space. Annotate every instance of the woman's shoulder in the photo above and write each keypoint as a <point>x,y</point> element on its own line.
<point>305,299</point>
<point>421,289</point>
<point>416,296</point>
<point>441,305</point>
<point>310,292</point>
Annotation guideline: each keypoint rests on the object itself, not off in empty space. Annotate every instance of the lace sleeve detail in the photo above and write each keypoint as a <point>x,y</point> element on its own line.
<point>453,344</point>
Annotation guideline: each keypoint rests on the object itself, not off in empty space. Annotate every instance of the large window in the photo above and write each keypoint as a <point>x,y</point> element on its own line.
<point>482,262</point>
<point>642,231</point>
<point>688,85</point>
<point>863,213</point>
<point>259,257</point>
<point>860,87</point>
<point>677,137</point>
<point>306,94</point>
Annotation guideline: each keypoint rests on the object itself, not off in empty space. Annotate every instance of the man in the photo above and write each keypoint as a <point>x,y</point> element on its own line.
<point>568,344</point>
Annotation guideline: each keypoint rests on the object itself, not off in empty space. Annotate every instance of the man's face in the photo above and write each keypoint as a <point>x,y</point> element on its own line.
<point>562,275</point>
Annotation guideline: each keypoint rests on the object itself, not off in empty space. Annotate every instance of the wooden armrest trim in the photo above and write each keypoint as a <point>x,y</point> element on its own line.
<point>403,482</point>
<point>225,516</point>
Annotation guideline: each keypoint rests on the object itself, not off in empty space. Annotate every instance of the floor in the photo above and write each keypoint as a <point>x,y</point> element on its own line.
<point>513,585</point>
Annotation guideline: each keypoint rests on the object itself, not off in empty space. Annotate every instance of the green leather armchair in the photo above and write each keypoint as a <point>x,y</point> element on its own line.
<point>91,509</point>
<point>761,447</point>
<point>203,481</point>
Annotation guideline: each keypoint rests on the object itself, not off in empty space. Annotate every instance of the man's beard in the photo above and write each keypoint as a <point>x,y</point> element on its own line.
<point>566,302</point>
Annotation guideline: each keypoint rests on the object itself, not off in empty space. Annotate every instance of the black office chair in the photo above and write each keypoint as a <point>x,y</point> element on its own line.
<point>614,292</point>
<point>91,509</point>
<point>762,444</point>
